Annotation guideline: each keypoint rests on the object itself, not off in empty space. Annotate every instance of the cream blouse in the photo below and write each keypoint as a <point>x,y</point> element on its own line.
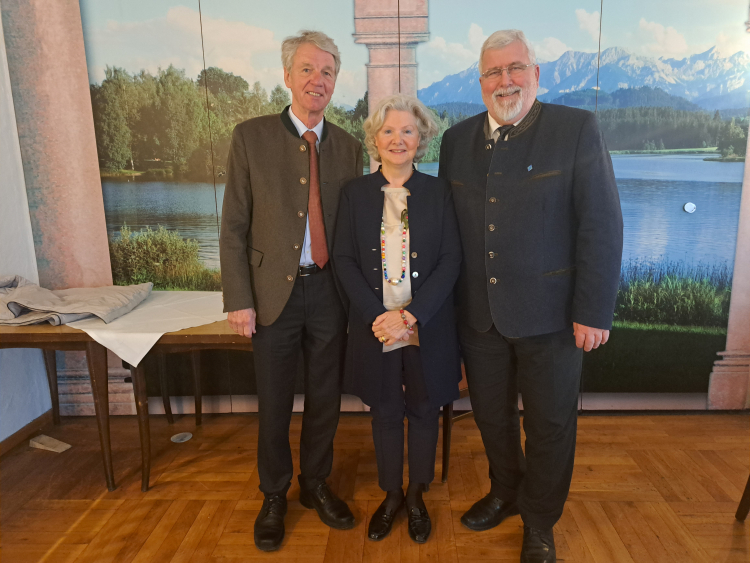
<point>396,297</point>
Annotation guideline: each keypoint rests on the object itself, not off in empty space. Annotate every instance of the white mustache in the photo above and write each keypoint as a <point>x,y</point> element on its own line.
<point>507,91</point>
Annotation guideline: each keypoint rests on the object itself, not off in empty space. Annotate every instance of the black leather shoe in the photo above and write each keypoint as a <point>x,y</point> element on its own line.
<point>487,513</point>
<point>332,510</point>
<point>382,521</point>
<point>269,525</point>
<point>419,524</point>
<point>538,546</point>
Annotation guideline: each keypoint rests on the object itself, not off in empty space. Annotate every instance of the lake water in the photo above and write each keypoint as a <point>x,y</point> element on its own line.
<point>653,190</point>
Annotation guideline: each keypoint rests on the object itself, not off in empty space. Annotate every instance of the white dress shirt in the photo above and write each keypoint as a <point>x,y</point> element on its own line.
<point>494,126</point>
<point>305,258</point>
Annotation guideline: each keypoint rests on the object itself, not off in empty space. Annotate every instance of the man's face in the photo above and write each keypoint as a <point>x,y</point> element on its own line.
<point>509,98</point>
<point>311,80</point>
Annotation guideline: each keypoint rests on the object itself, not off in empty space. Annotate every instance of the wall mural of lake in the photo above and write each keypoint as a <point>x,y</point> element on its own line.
<point>672,106</point>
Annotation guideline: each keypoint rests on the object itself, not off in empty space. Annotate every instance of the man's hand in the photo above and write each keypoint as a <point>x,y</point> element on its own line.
<point>242,322</point>
<point>588,337</point>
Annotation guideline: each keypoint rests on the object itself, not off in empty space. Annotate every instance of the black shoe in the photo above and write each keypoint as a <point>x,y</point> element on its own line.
<point>269,525</point>
<point>332,510</point>
<point>382,520</point>
<point>419,524</point>
<point>487,513</point>
<point>538,546</point>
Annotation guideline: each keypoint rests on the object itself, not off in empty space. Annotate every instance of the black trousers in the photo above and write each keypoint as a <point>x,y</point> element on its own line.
<point>404,392</point>
<point>313,321</point>
<point>547,371</point>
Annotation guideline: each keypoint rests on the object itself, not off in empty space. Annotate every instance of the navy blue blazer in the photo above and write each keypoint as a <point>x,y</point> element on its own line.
<point>435,259</point>
<point>540,221</point>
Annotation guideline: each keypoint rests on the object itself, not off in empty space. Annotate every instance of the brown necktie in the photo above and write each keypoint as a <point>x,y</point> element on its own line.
<point>318,246</point>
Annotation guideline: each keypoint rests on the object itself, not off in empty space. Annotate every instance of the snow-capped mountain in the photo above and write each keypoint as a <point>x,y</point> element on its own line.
<point>705,79</point>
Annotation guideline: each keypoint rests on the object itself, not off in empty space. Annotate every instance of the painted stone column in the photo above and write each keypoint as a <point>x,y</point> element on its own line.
<point>49,81</point>
<point>729,385</point>
<point>391,29</point>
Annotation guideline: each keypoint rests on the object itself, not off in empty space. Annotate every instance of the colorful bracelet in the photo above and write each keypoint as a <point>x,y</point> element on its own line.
<point>406,322</point>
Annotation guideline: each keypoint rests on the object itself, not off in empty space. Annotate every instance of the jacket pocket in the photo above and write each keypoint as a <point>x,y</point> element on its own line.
<point>455,184</point>
<point>255,257</point>
<point>545,175</point>
<point>562,272</point>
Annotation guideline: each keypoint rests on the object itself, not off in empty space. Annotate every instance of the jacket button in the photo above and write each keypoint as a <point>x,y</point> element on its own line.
<point>295,247</point>
<point>491,227</point>
<point>300,214</point>
<point>415,274</point>
<point>302,148</point>
<point>290,278</point>
<point>492,254</point>
<point>493,200</point>
<point>303,180</point>
<point>413,254</point>
<point>493,280</point>
<point>488,146</point>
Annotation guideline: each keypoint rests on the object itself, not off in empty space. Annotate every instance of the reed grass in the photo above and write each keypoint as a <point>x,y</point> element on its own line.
<point>162,257</point>
<point>674,293</point>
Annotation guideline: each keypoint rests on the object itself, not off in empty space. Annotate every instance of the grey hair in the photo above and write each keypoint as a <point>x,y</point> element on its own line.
<point>290,45</point>
<point>504,37</point>
<point>400,102</point>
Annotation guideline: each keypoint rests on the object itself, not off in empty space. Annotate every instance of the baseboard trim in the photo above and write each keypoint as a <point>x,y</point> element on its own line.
<point>25,433</point>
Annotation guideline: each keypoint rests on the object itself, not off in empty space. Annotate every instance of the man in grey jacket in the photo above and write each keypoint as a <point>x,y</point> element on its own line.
<point>541,229</point>
<point>283,180</point>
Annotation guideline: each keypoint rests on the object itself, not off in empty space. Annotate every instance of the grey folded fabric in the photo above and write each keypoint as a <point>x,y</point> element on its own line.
<point>23,302</point>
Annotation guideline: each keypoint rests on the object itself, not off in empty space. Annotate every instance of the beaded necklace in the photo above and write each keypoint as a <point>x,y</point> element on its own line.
<point>405,223</point>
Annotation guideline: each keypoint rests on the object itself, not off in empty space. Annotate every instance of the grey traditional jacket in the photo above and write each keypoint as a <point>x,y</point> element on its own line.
<point>265,208</point>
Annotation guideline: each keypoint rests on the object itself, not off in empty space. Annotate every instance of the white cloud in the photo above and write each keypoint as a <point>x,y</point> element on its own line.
<point>439,58</point>
<point>176,39</point>
<point>549,49</point>
<point>476,38</point>
<point>350,86</point>
<point>667,41</point>
<point>729,44</point>
<point>588,22</point>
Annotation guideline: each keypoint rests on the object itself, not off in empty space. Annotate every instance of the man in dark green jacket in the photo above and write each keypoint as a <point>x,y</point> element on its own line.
<point>282,193</point>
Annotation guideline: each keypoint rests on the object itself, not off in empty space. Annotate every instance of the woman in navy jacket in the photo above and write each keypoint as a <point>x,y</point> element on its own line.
<point>397,254</point>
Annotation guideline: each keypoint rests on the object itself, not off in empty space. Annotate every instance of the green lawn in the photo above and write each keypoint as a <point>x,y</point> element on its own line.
<point>642,358</point>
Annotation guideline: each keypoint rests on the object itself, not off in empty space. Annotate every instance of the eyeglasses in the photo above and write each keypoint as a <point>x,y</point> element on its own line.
<point>512,70</point>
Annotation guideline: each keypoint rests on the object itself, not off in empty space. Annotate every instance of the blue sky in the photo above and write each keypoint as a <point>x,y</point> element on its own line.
<point>243,36</point>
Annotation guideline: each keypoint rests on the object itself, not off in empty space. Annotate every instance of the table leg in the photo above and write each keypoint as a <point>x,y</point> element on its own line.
<point>50,362</point>
<point>195,360</point>
<point>96,356</point>
<point>141,406</point>
<point>164,384</point>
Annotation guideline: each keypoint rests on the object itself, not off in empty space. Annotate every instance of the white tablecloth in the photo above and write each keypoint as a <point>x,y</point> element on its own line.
<point>131,336</point>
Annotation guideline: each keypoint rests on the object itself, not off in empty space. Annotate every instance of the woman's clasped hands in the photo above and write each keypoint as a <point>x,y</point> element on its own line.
<point>389,327</point>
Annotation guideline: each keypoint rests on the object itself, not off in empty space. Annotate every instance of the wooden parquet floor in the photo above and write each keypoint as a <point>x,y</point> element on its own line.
<point>656,488</point>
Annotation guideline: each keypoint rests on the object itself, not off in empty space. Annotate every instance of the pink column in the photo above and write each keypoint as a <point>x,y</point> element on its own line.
<point>390,28</point>
<point>729,385</point>
<point>49,81</point>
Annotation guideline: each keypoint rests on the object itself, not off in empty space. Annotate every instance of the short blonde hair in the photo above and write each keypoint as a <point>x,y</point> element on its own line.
<point>290,45</point>
<point>400,102</point>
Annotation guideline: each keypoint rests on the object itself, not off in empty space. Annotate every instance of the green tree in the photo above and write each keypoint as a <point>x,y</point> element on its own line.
<point>221,82</point>
<point>279,99</point>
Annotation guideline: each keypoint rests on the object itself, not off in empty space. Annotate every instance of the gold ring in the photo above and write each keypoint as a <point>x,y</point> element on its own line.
<point>382,339</point>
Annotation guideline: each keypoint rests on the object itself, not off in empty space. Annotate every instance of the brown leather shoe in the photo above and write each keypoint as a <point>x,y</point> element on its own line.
<point>487,513</point>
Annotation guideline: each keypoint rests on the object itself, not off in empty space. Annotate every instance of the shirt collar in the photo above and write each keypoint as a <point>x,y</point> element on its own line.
<point>493,124</point>
<point>302,128</point>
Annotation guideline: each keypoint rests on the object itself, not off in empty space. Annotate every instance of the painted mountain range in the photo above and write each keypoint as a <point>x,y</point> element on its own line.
<point>706,79</point>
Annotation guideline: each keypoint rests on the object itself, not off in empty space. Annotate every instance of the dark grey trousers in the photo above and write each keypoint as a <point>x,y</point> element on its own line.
<point>546,369</point>
<point>404,392</point>
<point>313,321</point>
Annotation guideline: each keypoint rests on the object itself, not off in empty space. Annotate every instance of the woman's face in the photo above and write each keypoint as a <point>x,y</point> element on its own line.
<point>398,138</point>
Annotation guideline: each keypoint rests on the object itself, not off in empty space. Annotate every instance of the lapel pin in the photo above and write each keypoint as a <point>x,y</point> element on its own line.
<point>529,168</point>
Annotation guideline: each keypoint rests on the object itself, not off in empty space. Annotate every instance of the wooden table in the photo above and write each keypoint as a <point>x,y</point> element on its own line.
<point>214,336</point>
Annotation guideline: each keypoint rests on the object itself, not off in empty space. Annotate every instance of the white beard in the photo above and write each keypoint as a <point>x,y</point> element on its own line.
<point>507,109</point>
